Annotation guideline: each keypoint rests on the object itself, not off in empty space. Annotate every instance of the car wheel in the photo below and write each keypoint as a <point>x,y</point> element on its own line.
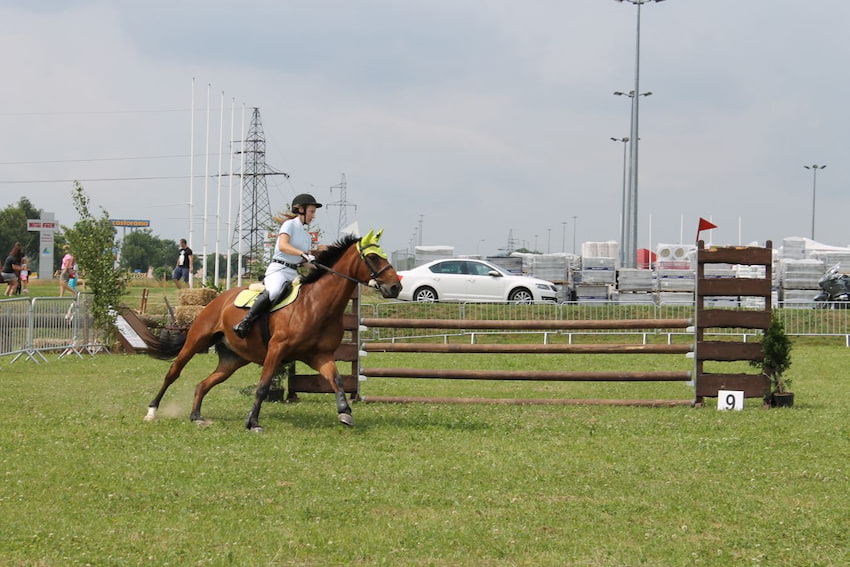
<point>425,294</point>
<point>521,295</point>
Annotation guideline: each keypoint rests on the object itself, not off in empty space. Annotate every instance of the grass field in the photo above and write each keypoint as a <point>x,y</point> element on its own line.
<point>86,482</point>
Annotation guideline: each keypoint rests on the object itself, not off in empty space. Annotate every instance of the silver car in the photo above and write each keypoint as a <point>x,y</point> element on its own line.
<point>471,280</point>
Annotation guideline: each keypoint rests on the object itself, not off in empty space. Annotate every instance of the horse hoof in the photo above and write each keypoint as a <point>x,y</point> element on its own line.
<point>256,429</point>
<point>151,415</point>
<point>201,422</point>
<point>346,419</point>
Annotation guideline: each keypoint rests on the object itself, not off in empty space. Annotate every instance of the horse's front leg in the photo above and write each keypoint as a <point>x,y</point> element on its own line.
<point>270,368</point>
<point>327,368</point>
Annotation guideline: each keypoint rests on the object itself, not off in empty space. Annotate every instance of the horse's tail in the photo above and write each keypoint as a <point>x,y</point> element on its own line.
<point>166,346</point>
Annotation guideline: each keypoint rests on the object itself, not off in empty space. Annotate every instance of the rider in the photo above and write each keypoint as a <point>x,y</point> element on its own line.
<point>292,250</point>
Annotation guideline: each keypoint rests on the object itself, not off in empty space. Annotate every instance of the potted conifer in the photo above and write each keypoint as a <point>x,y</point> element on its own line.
<point>777,360</point>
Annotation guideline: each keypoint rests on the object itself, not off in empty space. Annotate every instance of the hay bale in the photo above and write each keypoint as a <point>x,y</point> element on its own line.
<point>199,296</point>
<point>185,314</point>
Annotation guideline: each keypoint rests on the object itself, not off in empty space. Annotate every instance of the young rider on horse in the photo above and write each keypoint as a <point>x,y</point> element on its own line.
<point>292,250</point>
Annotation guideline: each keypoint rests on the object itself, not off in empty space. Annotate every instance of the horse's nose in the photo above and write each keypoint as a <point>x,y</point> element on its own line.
<point>393,290</point>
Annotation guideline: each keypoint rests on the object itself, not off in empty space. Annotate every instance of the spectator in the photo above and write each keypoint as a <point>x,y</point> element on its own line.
<point>23,286</point>
<point>11,269</point>
<point>66,271</point>
<point>185,264</point>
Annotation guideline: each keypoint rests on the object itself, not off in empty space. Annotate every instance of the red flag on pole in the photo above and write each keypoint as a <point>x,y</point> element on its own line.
<point>704,225</point>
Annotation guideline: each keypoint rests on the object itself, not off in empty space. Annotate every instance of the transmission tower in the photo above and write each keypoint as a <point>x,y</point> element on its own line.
<point>511,245</point>
<point>250,236</point>
<point>343,205</point>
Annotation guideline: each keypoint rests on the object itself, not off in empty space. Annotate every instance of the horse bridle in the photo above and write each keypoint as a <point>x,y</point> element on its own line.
<point>373,275</point>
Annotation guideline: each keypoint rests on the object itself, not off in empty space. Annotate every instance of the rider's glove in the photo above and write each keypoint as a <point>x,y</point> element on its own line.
<point>307,257</point>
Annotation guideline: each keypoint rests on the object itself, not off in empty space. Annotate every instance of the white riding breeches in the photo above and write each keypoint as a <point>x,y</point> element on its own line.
<point>276,277</point>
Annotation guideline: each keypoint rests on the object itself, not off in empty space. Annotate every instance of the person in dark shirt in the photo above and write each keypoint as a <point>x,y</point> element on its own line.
<point>185,264</point>
<point>11,268</point>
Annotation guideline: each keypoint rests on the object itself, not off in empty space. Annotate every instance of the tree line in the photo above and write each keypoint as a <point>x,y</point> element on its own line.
<point>139,250</point>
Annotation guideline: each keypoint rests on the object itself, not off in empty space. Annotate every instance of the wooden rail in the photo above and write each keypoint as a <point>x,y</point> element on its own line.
<point>535,325</point>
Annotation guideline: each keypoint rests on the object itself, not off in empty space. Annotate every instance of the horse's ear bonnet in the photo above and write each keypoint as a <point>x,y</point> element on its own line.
<point>370,242</point>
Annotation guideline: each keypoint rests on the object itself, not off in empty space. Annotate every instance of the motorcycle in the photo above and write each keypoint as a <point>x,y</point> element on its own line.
<point>835,289</point>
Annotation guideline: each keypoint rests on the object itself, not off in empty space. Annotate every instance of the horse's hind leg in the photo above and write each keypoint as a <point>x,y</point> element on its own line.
<point>173,374</point>
<point>228,363</point>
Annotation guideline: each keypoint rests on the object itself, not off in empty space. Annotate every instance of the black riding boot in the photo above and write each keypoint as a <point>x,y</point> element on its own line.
<point>261,304</point>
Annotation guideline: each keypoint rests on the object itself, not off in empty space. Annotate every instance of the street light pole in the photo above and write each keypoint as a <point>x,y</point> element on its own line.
<point>574,235</point>
<point>623,197</point>
<point>564,236</point>
<point>631,221</point>
<point>628,240</point>
<point>814,168</point>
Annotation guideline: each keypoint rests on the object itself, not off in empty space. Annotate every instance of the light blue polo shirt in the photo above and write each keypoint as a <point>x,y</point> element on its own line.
<point>298,237</point>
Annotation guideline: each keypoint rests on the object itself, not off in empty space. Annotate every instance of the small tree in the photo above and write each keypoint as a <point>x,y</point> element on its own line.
<point>777,357</point>
<point>92,241</point>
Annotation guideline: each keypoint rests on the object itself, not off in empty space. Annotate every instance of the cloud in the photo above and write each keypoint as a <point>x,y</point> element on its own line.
<point>482,118</point>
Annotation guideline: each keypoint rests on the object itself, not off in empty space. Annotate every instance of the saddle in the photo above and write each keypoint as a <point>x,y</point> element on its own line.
<point>246,297</point>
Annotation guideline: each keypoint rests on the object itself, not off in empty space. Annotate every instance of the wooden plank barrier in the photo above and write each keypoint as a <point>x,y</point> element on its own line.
<point>538,325</point>
<point>528,375</point>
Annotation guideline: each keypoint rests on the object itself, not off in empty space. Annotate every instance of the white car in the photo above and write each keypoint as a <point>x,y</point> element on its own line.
<point>471,280</point>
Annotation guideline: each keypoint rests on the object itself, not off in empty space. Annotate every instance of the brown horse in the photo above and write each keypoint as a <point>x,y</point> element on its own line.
<point>309,330</point>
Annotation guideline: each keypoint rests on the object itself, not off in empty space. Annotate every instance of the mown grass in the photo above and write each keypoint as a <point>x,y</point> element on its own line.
<point>86,482</point>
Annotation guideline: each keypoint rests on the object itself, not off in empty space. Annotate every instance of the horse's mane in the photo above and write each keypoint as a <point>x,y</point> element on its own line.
<point>329,257</point>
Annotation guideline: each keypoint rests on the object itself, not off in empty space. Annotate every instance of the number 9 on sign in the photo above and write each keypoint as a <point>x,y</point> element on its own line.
<point>730,400</point>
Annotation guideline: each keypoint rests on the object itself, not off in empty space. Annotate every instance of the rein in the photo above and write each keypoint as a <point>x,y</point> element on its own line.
<point>372,273</point>
<point>346,276</point>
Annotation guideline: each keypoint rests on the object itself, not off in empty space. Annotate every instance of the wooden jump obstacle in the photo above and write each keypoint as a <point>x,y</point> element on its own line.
<point>705,384</point>
<point>532,375</point>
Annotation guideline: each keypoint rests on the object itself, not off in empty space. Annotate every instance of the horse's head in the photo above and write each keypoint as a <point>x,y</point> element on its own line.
<point>381,272</point>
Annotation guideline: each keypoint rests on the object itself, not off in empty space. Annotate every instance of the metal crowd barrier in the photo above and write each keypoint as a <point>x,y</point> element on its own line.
<point>31,327</point>
<point>821,320</point>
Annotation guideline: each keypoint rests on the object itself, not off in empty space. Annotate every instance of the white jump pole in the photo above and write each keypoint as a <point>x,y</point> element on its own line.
<point>241,185</point>
<point>229,231</point>
<point>218,187</point>
<point>191,173</point>
<point>206,189</point>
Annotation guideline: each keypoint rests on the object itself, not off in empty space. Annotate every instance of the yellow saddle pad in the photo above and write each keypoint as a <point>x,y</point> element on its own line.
<point>245,298</point>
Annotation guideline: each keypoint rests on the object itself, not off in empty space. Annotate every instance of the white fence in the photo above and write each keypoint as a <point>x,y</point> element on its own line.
<point>31,327</point>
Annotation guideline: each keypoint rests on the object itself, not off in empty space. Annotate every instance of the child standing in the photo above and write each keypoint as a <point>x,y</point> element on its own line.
<point>72,281</point>
<point>24,275</point>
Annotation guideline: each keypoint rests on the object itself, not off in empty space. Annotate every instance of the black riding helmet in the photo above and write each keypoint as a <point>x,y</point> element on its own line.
<point>303,200</point>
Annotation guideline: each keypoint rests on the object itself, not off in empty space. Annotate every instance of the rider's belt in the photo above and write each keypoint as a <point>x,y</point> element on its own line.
<point>286,264</point>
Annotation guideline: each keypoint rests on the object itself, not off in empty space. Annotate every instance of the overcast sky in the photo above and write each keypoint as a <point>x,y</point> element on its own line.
<point>480,118</point>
